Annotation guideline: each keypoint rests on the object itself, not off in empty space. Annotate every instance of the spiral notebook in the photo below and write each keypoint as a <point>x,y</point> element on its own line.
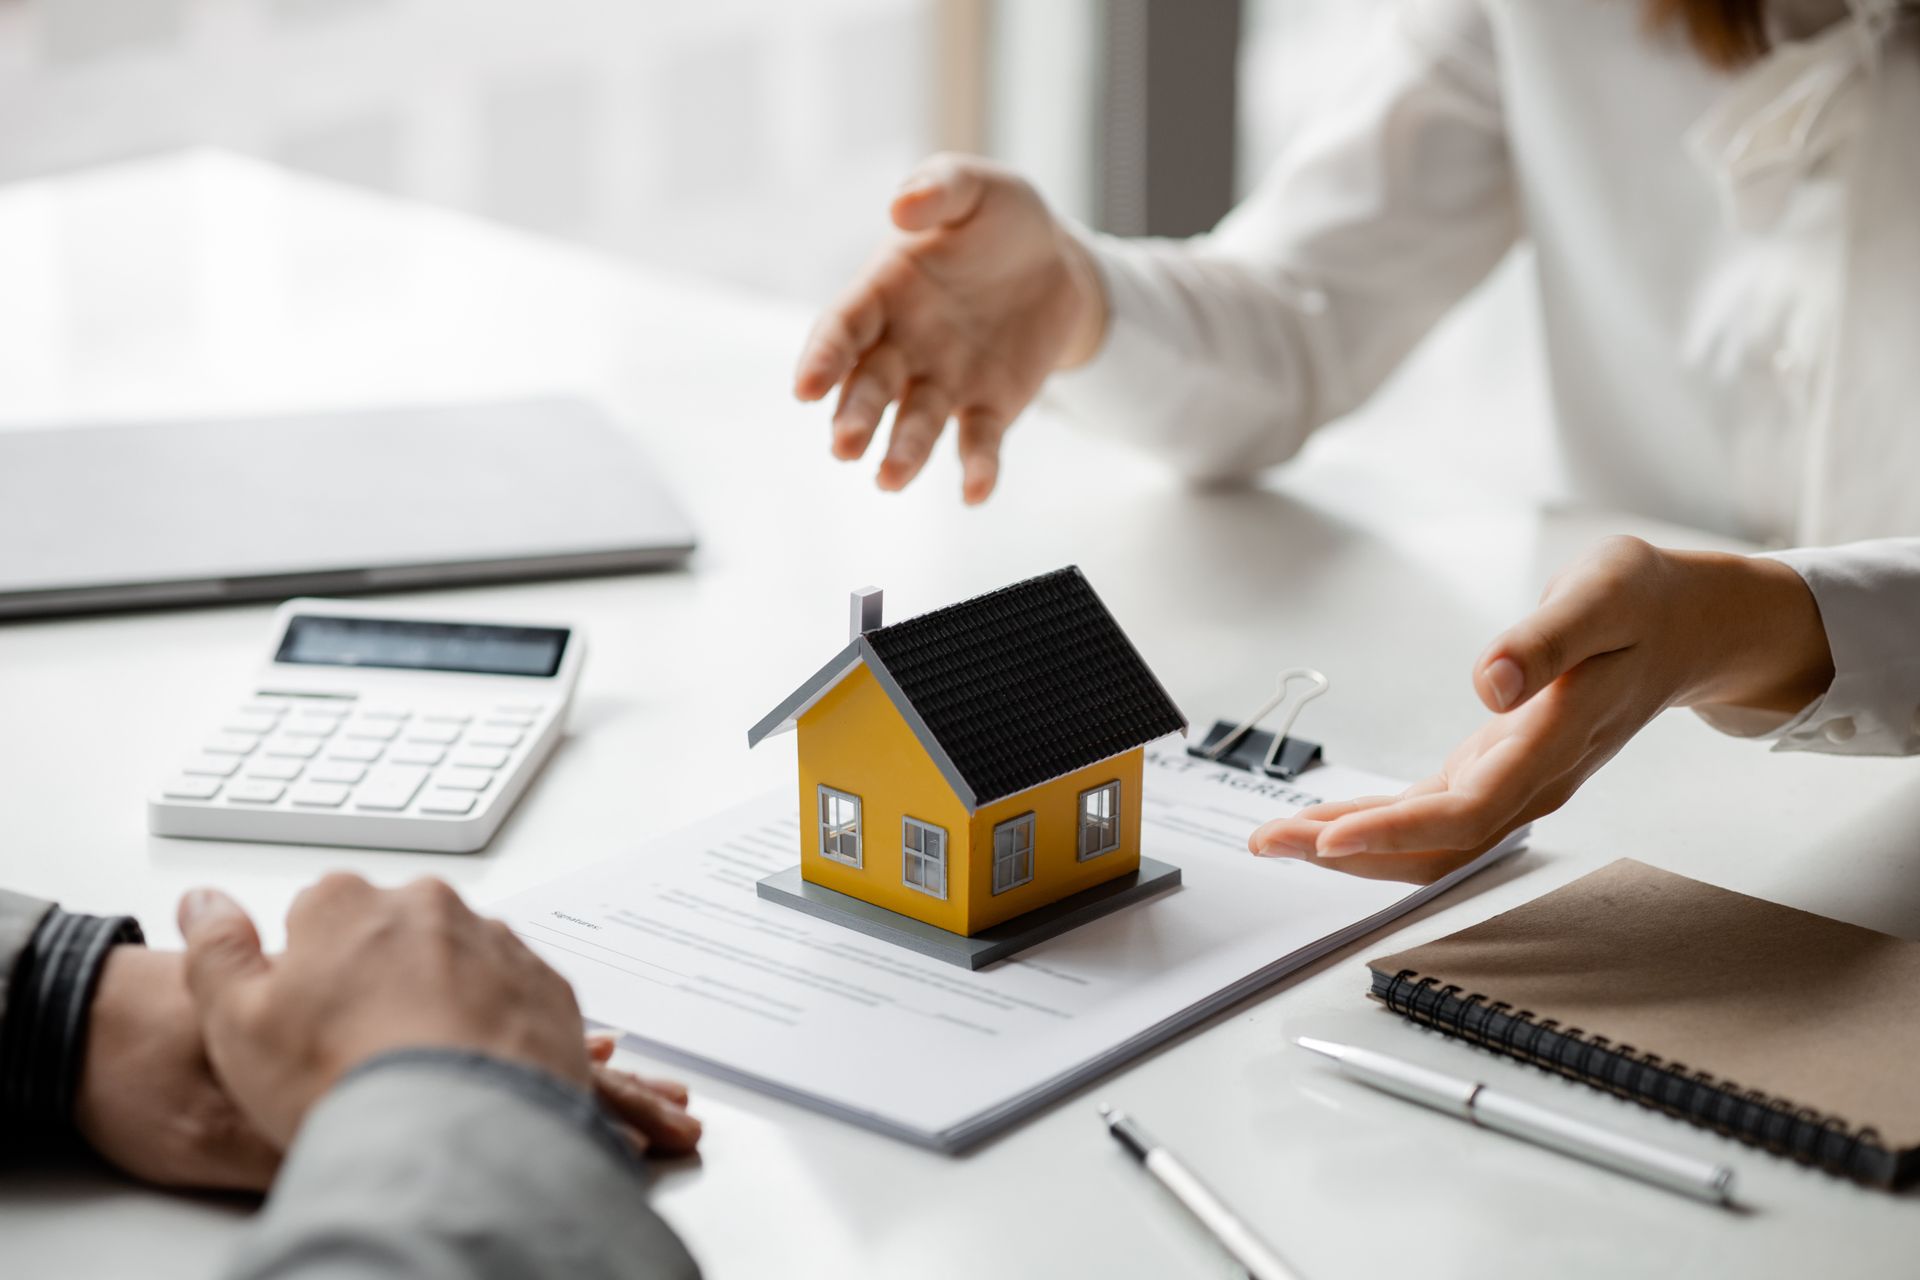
<point>1779,1027</point>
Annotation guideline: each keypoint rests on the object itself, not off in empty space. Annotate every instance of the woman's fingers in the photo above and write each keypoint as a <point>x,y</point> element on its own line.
<point>1422,824</point>
<point>1478,805</point>
<point>875,382</point>
<point>841,335</point>
<point>600,1046</point>
<point>1284,837</point>
<point>943,191</point>
<point>1496,779</point>
<point>1300,833</point>
<point>981,431</point>
<point>916,426</point>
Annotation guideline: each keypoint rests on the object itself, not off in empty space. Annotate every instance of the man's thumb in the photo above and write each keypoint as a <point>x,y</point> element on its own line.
<point>223,948</point>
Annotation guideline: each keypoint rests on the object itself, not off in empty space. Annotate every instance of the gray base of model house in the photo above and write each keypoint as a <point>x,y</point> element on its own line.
<point>1004,939</point>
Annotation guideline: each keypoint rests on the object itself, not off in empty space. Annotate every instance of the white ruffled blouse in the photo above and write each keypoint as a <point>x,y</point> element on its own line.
<point>1729,273</point>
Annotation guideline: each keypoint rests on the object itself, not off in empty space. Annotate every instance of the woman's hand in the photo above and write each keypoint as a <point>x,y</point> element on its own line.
<point>1625,632</point>
<point>961,316</point>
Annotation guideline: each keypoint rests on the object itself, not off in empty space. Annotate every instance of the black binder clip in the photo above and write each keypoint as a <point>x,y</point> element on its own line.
<point>1276,754</point>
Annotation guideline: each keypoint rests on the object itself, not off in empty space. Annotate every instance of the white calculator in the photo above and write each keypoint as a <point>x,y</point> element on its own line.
<point>377,728</point>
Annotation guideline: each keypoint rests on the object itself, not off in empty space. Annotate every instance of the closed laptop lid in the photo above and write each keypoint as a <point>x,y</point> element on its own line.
<point>97,517</point>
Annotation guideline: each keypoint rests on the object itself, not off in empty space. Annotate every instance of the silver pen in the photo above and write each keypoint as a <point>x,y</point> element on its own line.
<point>1472,1101</point>
<point>1234,1235</point>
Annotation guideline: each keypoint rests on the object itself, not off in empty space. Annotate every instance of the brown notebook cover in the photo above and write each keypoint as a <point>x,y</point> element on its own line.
<point>1786,1029</point>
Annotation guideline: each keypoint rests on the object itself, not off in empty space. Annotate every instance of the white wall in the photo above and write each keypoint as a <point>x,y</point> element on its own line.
<point>751,139</point>
<point>1043,91</point>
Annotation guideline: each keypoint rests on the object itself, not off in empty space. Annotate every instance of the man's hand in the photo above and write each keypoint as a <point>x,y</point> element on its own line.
<point>1624,633</point>
<point>651,1113</point>
<point>148,1101</point>
<point>961,316</point>
<point>366,971</point>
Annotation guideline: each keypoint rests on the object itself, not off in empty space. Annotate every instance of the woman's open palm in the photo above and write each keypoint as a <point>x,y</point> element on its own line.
<point>963,315</point>
<point>1623,633</point>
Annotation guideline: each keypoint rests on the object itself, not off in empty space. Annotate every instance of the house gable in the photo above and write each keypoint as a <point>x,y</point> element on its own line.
<point>854,739</point>
<point>858,656</point>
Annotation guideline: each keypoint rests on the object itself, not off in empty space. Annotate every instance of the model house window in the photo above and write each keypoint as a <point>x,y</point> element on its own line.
<point>839,826</point>
<point>1099,821</point>
<point>923,857</point>
<point>1013,853</point>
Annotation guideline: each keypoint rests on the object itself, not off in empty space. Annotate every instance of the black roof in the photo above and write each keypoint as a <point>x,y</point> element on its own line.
<point>1026,683</point>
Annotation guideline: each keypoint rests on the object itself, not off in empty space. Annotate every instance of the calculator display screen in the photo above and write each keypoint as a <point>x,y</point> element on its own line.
<point>318,640</point>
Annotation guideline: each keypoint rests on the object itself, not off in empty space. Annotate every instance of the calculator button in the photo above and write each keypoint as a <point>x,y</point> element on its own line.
<point>327,711</point>
<point>337,771</point>
<point>293,748</point>
<point>230,744</point>
<point>361,752</point>
<point>277,770</point>
<point>319,795</point>
<point>479,758</point>
<point>510,722</point>
<point>389,788</point>
<point>273,710</point>
<point>374,730</point>
<point>448,802</point>
<point>416,753</point>
<point>386,713</point>
<point>444,717</point>
<point>465,779</point>
<point>494,738</point>
<point>519,709</point>
<point>250,792</point>
<point>311,727</point>
<point>212,766</point>
<point>253,725</point>
<point>191,789</point>
<point>440,733</point>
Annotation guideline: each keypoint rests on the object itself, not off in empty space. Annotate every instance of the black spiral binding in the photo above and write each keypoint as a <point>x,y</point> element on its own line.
<point>1750,1115</point>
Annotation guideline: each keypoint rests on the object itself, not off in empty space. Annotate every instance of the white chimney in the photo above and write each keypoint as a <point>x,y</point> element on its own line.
<point>863,612</point>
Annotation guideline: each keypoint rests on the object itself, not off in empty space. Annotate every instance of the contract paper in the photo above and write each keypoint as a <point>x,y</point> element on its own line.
<point>672,948</point>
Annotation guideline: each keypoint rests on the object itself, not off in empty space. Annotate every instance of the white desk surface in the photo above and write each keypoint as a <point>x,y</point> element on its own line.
<point>202,283</point>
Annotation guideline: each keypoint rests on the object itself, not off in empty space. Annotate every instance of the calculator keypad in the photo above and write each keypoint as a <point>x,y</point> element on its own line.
<point>340,757</point>
<point>319,795</point>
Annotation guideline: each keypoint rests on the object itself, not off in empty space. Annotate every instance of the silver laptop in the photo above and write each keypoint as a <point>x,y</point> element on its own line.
<point>164,513</point>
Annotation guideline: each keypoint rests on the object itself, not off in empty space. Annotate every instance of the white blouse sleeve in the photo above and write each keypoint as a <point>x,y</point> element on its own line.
<point>1223,352</point>
<point>1869,599</point>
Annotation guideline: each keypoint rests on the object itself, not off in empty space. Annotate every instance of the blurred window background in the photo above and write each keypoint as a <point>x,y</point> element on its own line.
<point>748,140</point>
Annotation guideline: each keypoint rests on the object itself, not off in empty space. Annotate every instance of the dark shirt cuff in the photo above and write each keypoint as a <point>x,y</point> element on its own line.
<point>43,1039</point>
<point>575,1106</point>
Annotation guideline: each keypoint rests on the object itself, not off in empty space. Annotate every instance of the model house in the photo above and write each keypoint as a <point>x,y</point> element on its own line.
<point>979,762</point>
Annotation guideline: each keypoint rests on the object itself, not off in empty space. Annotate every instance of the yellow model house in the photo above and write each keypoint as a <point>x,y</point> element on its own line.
<point>977,763</point>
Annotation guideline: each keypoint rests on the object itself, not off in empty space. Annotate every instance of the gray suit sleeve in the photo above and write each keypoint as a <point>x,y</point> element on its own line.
<point>440,1165</point>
